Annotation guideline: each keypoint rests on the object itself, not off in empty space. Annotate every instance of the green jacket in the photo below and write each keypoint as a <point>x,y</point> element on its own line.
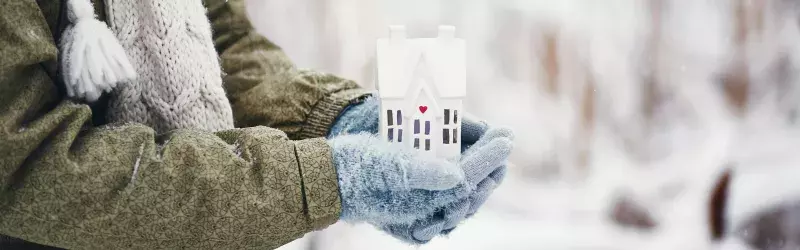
<point>71,182</point>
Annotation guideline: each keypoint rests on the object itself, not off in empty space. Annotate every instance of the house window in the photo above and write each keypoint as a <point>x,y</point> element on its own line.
<point>427,127</point>
<point>450,125</point>
<point>422,134</point>
<point>394,126</point>
<point>399,117</point>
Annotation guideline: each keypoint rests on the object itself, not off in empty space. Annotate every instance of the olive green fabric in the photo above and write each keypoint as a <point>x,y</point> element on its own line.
<point>68,183</point>
<point>263,85</point>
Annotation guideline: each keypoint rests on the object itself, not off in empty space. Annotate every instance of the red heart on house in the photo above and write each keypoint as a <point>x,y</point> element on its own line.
<point>423,109</point>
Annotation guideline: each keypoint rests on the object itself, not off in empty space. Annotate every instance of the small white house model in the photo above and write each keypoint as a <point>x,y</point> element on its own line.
<point>422,83</point>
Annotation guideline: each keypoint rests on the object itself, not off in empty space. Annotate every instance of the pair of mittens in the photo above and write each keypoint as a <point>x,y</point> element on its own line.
<point>382,183</point>
<point>485,166</point>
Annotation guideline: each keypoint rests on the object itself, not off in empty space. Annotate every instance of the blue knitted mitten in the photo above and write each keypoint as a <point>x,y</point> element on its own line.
<point>485,175</point>
<point>497,143</point>
<point>358,118</point>
<point>382,183</point>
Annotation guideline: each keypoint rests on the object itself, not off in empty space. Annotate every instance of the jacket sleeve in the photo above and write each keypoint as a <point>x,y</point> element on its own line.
<point>68,184</point>
<point>263,85</point>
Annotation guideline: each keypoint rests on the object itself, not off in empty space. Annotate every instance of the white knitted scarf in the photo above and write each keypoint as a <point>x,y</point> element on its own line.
<point>177,82</point>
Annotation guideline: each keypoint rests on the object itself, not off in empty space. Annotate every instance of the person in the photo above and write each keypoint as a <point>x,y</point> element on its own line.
<point>142,142</point>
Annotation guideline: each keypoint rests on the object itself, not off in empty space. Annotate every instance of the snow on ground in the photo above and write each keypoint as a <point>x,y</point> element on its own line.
<point>659,126</point>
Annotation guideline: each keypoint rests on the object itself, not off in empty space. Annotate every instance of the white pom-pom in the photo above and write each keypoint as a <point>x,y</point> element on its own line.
<point>92,60</point>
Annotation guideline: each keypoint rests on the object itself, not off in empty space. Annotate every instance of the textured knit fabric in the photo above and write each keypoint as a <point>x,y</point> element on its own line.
<point>382,183</point>
<point>484,164</point>
<point>449,217</point>
<point>358,118</point>
<point>179,81</point>
<point>390,187</point>
<point>71,184</point>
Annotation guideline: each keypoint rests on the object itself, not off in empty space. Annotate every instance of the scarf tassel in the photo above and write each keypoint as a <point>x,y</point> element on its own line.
<point>92,59</point>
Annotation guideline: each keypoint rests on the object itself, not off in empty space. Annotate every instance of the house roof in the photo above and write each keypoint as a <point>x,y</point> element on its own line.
<point>399,61</point>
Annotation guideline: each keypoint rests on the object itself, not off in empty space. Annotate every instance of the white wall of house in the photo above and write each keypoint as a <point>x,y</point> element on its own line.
<point>410,112</point>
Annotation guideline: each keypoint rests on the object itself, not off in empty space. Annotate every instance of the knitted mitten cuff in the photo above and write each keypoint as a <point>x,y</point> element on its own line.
<point>357,118</point>
<point>324,114</point>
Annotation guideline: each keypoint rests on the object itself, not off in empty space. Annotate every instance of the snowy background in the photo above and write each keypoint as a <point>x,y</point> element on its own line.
<point>646,100</point>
